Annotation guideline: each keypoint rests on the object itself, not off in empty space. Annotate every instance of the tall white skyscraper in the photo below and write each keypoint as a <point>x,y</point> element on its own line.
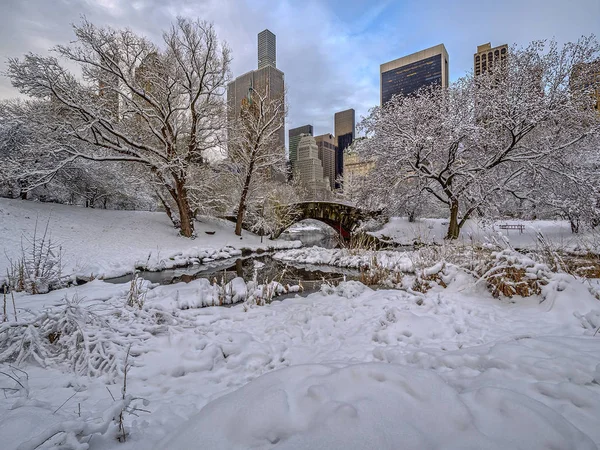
<point>310,168</point>
<point>267,50</point>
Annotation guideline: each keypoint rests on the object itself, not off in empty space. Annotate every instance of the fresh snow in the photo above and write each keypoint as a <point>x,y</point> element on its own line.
<point>339,257</point>
<point>556,232</point>
<point>106,243</point>
<point>453,368</point>
<point>347,367</point>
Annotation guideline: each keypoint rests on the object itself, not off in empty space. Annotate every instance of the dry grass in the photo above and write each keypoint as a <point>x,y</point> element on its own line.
<point>376,275</point>
<point>424,281</point>
<point>510,281</point>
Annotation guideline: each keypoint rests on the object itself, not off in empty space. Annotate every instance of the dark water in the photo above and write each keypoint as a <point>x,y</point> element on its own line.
<point>267,269</point>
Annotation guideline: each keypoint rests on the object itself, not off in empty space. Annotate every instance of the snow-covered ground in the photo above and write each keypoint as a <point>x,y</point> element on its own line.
<point>453,368</point>
<point>106,243</point>
<point>556,232</point>
<point>344,368</point>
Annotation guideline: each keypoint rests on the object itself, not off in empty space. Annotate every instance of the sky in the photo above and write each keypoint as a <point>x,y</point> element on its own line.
<point>329,51</point>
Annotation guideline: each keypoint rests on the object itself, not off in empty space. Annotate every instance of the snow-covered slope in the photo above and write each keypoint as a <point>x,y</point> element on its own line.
<point>346,368</point>
<point>556,232</point>
<point>109,243</point>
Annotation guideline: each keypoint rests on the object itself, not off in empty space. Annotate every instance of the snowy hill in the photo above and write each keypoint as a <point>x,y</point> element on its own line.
<point>109,243</point>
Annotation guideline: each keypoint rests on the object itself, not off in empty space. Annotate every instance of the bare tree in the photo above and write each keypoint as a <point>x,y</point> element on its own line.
<point>481,136</point>
<point>254,148</point>
<point>161,108</point>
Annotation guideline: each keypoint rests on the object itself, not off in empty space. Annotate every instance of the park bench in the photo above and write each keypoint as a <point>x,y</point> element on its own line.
<point>506,226</point>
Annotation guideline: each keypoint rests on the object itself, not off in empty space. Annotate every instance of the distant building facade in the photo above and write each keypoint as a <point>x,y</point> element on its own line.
<point>310,168</point>
<point>294,136</point>
<point>586,76</point>
<point>355,168</point>
<point>266,79</point>
<point>487,56</point>
<point>327,151</point>
<point>344,129</point>
<point>404,76</point>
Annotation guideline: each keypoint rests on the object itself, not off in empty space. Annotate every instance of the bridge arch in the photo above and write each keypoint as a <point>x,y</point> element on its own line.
<point>342,217</point>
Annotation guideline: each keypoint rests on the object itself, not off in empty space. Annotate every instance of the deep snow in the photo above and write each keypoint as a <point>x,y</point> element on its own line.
<point>347,367</point>
<point>556,232</point>
<point>453,368</point>
<point>107,243</point>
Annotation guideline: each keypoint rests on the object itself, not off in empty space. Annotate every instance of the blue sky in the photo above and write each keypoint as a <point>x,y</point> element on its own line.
<point>330,51</point>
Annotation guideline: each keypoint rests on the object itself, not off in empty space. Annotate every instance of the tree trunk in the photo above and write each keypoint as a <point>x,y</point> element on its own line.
<point>453,227</point>
<point>186,225</point>
<point>574,224</point>
<point>242,205</point>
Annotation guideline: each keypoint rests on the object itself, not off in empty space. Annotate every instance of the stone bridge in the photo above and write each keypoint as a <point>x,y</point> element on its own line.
<point>342,217</point>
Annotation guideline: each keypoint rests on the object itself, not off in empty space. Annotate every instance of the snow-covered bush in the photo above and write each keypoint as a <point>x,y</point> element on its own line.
<point>68,335</point>
<point>376,274</point>
<point>137,292</point>
<point>39,268</point>
<point>510,273</point>
<point>436,275</point>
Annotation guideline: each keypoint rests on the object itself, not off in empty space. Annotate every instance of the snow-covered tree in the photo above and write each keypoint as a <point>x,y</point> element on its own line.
<point>255,152</point>
<point>483,135</point>
<point>161,108</point>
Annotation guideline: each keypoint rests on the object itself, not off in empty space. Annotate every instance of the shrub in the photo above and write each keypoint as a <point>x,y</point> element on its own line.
<point>510,273</point>
<point>39,268</point>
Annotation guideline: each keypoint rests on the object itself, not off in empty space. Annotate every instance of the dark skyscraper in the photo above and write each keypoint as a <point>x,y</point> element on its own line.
<point>267,50</point>
<point>266,79</point>
<point>344,123</point>
<point>407,74</point>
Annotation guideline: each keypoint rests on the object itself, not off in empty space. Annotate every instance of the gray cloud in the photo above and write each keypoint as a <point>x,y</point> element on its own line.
<point>330,51</point>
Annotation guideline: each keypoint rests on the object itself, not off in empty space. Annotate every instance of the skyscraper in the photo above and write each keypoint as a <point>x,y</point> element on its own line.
<point>344,122</point>
<point>487,56</point>
<point>267,50</point>
<point>327,155</point>
<point>310,169</point>
<point>266,79</point>
<point>406,75</point>
<point>294,136</point>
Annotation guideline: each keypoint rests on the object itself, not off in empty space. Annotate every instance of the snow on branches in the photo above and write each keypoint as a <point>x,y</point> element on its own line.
<point>161,108</point>
<point>484,136</point>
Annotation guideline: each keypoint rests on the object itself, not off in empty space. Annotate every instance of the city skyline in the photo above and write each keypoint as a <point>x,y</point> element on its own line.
<point>360,35</point>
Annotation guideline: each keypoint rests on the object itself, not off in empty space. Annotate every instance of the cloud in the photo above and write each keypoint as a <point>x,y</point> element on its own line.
<point>330,51</point>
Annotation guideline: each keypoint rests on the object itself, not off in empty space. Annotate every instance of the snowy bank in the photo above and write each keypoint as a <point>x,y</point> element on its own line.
<point>106,243</point>
<point>340,257</point>
<point>449,368</point>
<point>556,232</point>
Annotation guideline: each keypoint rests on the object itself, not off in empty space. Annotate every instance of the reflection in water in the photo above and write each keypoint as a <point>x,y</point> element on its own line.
<point>263,267</point>
<point>312,232</point>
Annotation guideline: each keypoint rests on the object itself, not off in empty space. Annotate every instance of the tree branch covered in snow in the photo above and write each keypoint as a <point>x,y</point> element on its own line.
<point>254,148</point>
<point>159,108</point>
<point>483,136</point>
